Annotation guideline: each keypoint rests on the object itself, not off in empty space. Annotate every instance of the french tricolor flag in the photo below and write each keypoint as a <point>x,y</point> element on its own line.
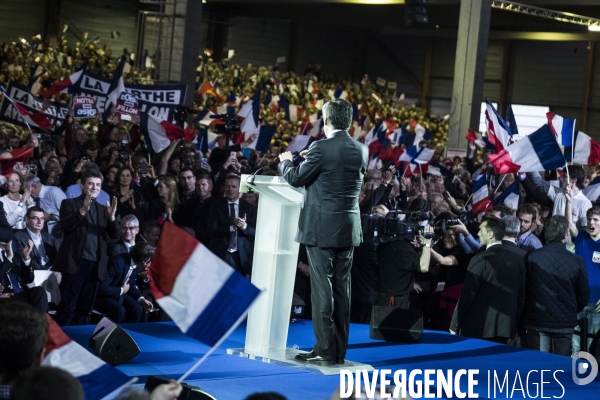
<point>203,295</point>
<point>313,128</point>
<point>536,152</point>
<point>592,191</point>
<point>340,93</point>
<point>563,129</point>
<point>99,380</point>
<point>249,112</point>
<point>312,87</point>
<point>36,119</point>
<point>480,195</point>
<point>293,112</point>
<point>499,133</point>
<point>417,158</point>
<point>160,133</point>
<point>585,150</point>
<point>62,86</point>
<point>510,196</point>
<point>439,170</point>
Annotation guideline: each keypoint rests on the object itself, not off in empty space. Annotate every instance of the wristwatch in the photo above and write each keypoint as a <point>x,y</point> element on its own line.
<point>428,245</point>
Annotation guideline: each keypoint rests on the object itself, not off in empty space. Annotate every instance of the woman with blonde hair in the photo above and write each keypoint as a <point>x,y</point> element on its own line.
<point>16,204</point>
<point>162,208</point>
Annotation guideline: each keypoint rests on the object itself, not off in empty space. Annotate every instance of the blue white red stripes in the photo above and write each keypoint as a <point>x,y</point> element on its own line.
<point>536,152</point>
<point>480,195</point>
<point>203,295</point>
<point>99,380</point>
<point>499,133</point>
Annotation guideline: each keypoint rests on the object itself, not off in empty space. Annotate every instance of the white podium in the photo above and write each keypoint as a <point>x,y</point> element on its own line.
<point>274,271</point>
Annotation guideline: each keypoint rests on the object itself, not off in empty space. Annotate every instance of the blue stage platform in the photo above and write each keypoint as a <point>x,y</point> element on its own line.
<point>166,352</point>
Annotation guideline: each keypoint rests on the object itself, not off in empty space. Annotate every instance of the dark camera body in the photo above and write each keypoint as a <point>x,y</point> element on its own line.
<point>123,153</point>
<point>440,226</point>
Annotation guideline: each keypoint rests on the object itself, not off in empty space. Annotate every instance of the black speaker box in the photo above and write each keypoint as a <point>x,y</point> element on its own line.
<point>396,324</point>
<point>112,344</point>
<point>187,393</point>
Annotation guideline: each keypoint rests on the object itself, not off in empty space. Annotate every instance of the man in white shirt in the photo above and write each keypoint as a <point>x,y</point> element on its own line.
<point>574,179</point>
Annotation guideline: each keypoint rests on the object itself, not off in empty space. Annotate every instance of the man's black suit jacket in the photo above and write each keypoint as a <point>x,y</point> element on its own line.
<point>493,295</point>
<point>110,287</point>
<point>332,176</point>
<point>219,223</point>
<point>75,229</point>
<point>50,243</point>
<point>117,248</point>
<point>23,272</point>
<point>513,248</point>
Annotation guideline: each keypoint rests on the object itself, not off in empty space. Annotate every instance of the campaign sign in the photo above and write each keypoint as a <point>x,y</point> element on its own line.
<point>84,107</point>
<point>127,104</point>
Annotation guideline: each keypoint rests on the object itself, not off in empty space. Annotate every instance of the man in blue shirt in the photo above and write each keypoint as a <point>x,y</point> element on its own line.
<point>526,239</point>
<point>587,246</point>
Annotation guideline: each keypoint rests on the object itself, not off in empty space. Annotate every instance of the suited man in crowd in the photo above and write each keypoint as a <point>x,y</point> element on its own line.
<point>45,247</point>
<point>493,294</point>
<point>119,297</point>
<point>16,272</point>
<point>49,199</point>
<point>130,227</point>
<point>231,224</point>
<point>512,229</point>
<point>329,226</point>
<point>82,256</point>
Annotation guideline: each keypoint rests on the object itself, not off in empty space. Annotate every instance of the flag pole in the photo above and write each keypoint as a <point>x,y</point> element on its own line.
<point>500,184</point>
<point>214,347</point>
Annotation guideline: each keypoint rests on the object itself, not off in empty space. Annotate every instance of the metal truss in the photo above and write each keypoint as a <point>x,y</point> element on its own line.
<point>545,13</point>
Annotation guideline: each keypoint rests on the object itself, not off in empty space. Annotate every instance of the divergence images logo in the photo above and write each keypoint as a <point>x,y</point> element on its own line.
<point>581,364</point>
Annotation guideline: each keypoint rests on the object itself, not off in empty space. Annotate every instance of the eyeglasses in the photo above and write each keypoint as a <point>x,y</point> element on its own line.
<point>36,219</point>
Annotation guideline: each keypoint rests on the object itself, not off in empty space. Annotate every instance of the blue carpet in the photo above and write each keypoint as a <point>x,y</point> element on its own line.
<point>166,352</point>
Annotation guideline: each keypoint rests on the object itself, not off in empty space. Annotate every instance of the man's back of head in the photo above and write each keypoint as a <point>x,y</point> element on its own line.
<point>512,225</point>
<point>47,383</point>
<point>23,333</point>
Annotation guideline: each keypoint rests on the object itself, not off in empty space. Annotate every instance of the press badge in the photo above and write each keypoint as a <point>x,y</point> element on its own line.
<point>596,257</point>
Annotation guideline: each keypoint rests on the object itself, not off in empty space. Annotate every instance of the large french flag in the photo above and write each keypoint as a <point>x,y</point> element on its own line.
<point>585,151</point>
<point>510,196</point>
<point>160,133</point>
<point>313,128</point>
<point>65,84</point>
<point>499,133</point>
<point>203,295</point>
<point>340,93</point>
<point>99,380</point>
<point>21,154</point>
<point>536,152</point>
<point>36,119</point>
<point>481,200</point>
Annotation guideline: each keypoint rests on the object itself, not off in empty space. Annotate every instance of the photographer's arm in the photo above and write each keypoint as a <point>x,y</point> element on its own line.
<point>448,260</point>
<point>426,252</point>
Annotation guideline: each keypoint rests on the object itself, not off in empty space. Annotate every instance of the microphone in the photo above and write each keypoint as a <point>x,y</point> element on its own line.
<point>250,180</point>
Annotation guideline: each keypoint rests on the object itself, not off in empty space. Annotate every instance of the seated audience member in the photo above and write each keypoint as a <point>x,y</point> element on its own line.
<point>130,227</point>
<point>16,272</point>
<point>557,289</point>
<point>149,232</point>
<point>493,293</point>
<point>23,333</point>
<point>16,204</point>
<point>47,383</point>
<point>118,296</point>
<point>232,223</point>
<point>45,245</point>
<point>526,239</point>
<point>49,199</point>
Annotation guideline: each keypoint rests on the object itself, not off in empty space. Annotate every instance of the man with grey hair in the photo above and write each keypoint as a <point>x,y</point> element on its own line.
<point>48,198</point>
<point>509,242</point>
<point>130,227</point>
<point>329,226</point>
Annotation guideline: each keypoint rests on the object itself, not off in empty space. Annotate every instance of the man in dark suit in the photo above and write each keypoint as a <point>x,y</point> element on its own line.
<point>509,242</point>
<point>231,224</point>
<point>82,256</point>
<point>493,294</point>
<point>329,226</point>
<point>16,272</point>
<point>44,250</point>
<point>130,227</point>
<point>119,297</point>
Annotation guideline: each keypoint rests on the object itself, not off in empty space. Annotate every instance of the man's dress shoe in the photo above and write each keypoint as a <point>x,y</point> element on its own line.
<point>313,358</point>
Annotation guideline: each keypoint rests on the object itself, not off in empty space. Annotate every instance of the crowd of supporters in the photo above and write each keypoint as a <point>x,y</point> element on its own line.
<point>91,210</point>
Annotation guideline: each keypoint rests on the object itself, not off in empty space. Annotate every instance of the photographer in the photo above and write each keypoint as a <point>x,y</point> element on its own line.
<point>398,260</point>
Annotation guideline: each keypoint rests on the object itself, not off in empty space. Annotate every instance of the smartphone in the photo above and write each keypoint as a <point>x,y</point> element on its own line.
<point>143,168</point>
<point>204,161</point>
<point>233,154</point>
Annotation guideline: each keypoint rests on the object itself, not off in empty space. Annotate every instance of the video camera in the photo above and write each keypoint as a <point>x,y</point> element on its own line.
<point>47,141</point>
<point>390,228</point>
<point>440,226</point>
<point>230,124</point>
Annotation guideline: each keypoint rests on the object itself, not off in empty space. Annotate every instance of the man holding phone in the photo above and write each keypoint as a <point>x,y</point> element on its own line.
<point>329,226</point>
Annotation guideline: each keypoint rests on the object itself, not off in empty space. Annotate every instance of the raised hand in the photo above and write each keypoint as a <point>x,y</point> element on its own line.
<point>112,208</point>
<point>27,250</point>
<point>87,203</point>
